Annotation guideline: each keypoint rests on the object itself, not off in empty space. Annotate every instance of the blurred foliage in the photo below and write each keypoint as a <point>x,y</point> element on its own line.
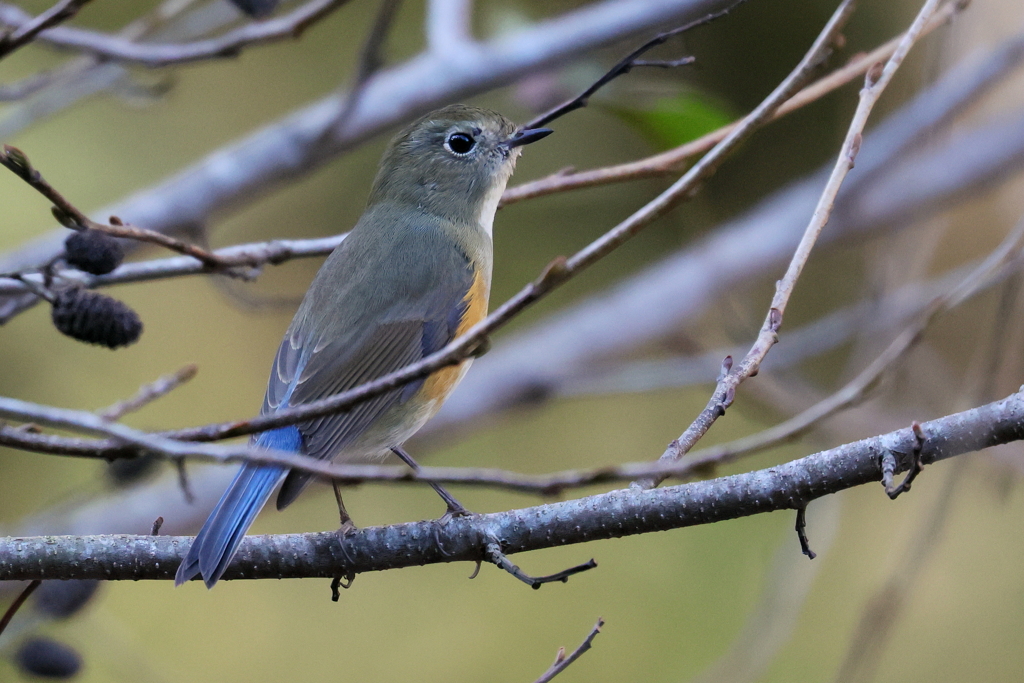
<point>673,602</point>
<point>671,121</point>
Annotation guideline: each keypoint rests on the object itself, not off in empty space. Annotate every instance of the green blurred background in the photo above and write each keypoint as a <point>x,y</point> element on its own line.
<point>674,602</point>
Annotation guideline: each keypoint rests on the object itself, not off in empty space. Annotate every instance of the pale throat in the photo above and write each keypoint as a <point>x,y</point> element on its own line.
<point>489,204</point>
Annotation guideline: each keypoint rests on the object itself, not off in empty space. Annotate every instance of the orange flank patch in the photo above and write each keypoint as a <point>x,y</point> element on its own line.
<point>441,383</point>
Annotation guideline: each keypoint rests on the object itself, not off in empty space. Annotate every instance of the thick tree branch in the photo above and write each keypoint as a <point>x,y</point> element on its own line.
<point>610,515</point>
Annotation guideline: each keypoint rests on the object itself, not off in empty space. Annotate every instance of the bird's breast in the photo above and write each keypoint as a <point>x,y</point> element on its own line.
<point>441,383</point>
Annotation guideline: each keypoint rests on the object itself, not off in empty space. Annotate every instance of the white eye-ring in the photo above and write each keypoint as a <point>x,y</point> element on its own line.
<point>460,143</point>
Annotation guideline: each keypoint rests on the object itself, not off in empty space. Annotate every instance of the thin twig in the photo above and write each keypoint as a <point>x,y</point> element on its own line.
<point>625,65</point>
<point>561,661</point>
<point>877,79</point>
<point>1003,260</point>
<point>118,49</point>
<point>557,273</point>
<point>127,442</point>
<point>492,553</point>
<point>671,161</point>
<point>27,31</point>
<point>71,217</point>
<point>801,532</point>
<point>255,254</point>
<point>149,393</point>
<point>371,58</point>
<point>16,605</point>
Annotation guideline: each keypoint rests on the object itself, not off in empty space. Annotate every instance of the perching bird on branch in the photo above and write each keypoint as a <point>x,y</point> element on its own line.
<point>413,274</point>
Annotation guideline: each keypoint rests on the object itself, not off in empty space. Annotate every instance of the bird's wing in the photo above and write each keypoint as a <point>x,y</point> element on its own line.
<point>318,360</point>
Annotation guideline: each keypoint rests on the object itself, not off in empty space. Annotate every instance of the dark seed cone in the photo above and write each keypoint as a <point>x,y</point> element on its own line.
<point>95,318</point>
<point>93,252</point>
<point>127,471</point>
<point>256,8</point>
<point>61,599</point>
<point>47,658</point>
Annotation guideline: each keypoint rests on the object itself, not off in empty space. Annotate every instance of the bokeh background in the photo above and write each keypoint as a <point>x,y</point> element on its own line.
<point>942,569</point>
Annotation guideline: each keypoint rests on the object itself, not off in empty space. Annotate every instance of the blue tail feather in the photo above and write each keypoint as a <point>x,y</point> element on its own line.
<point>224,529</point>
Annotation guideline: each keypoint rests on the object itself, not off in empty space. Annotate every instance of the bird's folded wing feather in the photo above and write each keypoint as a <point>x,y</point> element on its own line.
<point>319,360</point>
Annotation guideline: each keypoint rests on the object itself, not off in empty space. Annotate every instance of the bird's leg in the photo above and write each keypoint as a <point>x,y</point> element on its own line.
<point>347,525</point>
<point>455,508</point>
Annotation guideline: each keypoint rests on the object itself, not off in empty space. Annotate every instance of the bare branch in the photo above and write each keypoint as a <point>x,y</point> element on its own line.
<point>371,58</point>
<point>449,25</point>
<point>463,539</point>
<point>561,661</point>
<point>149,393</point>
<point>29,29</point>
<point>302,141</point>
<point>118,49</point>
<point>16,605</point>
<point>991,270</point>
<point>255,254</point>
<point>68,214</point>
<point>625,65</point>
<point>671,161</point>
<point>725,392</point>
<point>558,271</point>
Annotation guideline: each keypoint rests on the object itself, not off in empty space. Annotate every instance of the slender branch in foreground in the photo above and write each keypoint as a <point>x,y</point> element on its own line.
<point>16,605</point>
<point>28,30</point>
<point>71,217</point>
<point>998,264</point>
<point>118,49</point>
<point>558,272</point>
<point>610,515</point>
<point>562,662</point>
<point>1003,260</point>
<point>149,393</point>
<point>371,58</point>
<point>627,64</point>
<point>280,251</point>
<point>255,254</point>
<point>671,161</point>
<point>875,83</point>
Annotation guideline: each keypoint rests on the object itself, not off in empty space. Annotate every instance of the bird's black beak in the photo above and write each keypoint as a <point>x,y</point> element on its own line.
<point>528,135</point>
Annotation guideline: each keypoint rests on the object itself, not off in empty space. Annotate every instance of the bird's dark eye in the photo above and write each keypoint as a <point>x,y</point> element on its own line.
<point>460,143</point>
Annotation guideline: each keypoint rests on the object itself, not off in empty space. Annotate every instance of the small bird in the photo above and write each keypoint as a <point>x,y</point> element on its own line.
<point>412,275</point>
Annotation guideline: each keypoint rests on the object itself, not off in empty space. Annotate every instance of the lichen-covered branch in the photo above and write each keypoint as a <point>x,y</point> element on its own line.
<point>609,515</point>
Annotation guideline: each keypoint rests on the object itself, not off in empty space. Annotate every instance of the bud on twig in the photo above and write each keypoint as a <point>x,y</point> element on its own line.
<point>14,159</point>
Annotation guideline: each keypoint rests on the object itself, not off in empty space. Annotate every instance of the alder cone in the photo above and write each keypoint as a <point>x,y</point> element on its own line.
<point>93,252</point>
<point>48,658</point>
<point>95,318</point>
<point>61,599</point>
